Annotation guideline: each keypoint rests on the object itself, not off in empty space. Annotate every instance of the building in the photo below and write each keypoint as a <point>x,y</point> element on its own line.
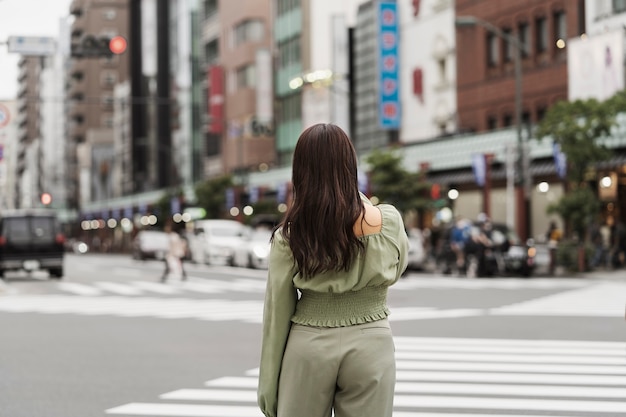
<point>238,56</point>
<point>28,167</point>
<point>428,72</point>
<point>8,153</point>
<point>90,92</point>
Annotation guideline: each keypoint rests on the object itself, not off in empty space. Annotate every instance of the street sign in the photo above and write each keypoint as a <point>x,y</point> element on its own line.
<point>32,45</point>
<point>5,116</point>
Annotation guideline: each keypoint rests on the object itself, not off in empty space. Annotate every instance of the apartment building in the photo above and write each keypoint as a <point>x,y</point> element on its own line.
<point>91,82</point>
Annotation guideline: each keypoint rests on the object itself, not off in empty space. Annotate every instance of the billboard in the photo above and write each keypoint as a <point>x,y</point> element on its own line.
<point>595,66</point>
<point>216,99</point>
<point>32,45</point>
<point>388,66</point>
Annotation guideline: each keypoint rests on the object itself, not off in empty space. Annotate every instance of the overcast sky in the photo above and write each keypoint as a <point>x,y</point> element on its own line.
<point>25,18</point>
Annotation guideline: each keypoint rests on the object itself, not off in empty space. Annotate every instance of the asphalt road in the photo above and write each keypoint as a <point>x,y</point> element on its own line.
<point>110,340</point>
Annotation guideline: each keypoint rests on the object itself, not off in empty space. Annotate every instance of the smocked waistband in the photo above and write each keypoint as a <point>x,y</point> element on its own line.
<point>326,309</point>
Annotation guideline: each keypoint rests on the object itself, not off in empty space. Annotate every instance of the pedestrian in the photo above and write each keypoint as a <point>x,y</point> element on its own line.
<point>553,235</point>
<point>331,347</point>
<point>174,257</point>
<point>458,237</point>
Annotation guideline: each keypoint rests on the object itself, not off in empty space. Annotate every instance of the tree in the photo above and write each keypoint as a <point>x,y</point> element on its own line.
<point>580,128</point>
<point>211,195</point>
<point>393,184</point>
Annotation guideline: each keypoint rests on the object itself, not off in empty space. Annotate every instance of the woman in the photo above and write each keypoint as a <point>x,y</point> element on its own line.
<point>331,347</point>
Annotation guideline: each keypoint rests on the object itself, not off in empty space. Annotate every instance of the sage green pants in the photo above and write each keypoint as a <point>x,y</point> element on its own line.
<point>349,369</point>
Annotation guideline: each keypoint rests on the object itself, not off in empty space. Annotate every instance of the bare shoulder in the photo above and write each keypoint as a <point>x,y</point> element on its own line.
<point>370,222</point>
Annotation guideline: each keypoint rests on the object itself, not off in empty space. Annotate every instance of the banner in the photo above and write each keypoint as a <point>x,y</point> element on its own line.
<point>560,160</point>
<point>479,166</point>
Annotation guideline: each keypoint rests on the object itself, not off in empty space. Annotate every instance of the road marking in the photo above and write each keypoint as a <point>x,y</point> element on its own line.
<point>186,410</point>
<point>79,289</point>
<point>601,300</point>
<point>439,393</point>
<point>499,283</point>
<point>117,288</point>
<point>156,287</point>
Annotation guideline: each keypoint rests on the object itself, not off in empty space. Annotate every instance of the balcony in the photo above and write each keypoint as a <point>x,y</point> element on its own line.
<point>211,28</point>
<point>77,7</point>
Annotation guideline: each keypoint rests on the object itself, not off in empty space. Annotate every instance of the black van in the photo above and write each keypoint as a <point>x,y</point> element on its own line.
<point>30,240</point>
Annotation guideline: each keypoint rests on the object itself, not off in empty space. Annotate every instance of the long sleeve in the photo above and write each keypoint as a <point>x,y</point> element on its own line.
<point>280,303</point>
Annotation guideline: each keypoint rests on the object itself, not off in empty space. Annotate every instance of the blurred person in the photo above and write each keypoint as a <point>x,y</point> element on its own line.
<point>174,256</point>
<point>483,245</point>
<point>553,236</point>
<point>458,237</point>
<point>331,348</point>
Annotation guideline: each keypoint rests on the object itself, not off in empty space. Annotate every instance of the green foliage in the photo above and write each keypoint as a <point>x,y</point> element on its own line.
<point>567,254</point>
<point>211,195</point>
<point>393,184</point>
<point>580,127</point>
<point>579,207</point>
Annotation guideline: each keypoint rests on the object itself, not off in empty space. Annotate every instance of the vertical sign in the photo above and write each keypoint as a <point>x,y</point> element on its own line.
<point>388,68</point>
<point>264,92</point>
<point>216,99</point>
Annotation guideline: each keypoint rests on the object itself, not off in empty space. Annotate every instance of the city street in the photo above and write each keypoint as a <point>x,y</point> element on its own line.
<point>110,340</point>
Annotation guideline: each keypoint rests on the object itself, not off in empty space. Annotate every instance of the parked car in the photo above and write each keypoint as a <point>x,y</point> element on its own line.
<point>214,241</point>
<point>417,254</point>
<point>150,244</point>
<point>31,240</point>
<point>255,249</point>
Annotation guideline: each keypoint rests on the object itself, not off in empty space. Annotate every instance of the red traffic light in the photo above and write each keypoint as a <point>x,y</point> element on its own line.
<point>46,199</point>
<point>117,45</point>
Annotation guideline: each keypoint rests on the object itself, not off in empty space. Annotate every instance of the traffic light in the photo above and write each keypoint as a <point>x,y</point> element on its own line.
<point>46,199</point>
<point>92,46</point>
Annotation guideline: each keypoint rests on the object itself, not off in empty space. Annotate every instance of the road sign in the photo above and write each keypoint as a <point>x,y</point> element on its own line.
<point>32,45</point>
<point>5,116</point>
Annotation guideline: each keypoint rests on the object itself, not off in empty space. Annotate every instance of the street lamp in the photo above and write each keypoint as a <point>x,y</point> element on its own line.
<point>519,47</point>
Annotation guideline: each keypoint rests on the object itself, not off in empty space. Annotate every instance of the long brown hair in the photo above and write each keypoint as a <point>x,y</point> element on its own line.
<point>319,225</point>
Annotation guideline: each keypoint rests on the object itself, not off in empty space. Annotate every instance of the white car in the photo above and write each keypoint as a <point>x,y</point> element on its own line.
<point>255,250</point>
<point>214,241</point>
<point>417,254</point>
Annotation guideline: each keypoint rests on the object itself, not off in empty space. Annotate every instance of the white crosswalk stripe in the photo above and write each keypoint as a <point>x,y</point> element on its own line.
<point>538,388</point>
<point>135,288</point>
<point>137,298</point>
<point>606,299</point>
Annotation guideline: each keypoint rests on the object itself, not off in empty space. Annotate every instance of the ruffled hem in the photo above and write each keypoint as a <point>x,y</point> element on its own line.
<point>344,322</point>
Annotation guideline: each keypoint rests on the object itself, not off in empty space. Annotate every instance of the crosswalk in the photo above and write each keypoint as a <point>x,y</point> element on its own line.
<point>175,301</point>
<point>138,287</point>
<point>452,377</point>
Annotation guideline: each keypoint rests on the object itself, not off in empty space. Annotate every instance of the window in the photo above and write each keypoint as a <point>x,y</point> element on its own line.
<point>248,31</point>
<point>541,113</point>
<point>246,76</point>
<point>508,47</point>
<point>285,6</point>
<point>290,108</point>
<point>541,28</point>
<point>619,6</point>
<point>492,122</point>
<point>507,120</point>
<point>211,51</point>
<point>560,26</point>
<point>523,32</point>
<point>109,14</point>
<point>289,52</point>
<point>108,78</point>
<point>210,8</point>
<point>492,50</point>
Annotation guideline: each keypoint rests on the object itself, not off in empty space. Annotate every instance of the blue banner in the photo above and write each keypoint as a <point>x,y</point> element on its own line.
<point>388,66</point>
<point>560,160</point>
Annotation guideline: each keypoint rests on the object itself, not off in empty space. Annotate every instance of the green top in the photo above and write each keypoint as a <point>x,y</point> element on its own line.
<point>332,299</point>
